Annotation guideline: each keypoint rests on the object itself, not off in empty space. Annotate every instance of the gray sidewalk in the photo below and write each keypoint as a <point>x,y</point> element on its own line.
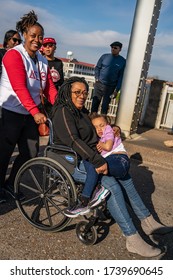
<point>150,144</point>
<point>152,171</point>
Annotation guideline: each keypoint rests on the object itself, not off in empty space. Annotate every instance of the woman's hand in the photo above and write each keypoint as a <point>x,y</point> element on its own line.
<point>40,118</point>
<point>102,169</point>
<point>117,131</point>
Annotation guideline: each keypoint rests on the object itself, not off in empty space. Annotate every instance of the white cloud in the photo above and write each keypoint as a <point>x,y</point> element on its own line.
<point>94,39</point>
<point>87,46</point>
<point>164,39</point>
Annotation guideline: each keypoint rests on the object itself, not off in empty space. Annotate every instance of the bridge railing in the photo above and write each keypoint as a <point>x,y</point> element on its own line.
<point>112,106</point>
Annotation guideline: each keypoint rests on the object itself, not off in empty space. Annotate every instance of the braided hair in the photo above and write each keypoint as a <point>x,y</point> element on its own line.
<point>64,95</point>
<point>27,21</point>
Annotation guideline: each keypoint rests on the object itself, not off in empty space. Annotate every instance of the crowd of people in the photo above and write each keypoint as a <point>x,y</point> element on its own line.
<point>29,67</point>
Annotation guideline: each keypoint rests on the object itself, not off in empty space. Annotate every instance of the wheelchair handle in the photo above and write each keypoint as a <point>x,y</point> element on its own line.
<point>50,131</point>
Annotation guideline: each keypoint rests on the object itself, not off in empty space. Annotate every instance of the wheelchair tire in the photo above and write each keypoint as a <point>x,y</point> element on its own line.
<point>86,236</point>
<point>48,189</point>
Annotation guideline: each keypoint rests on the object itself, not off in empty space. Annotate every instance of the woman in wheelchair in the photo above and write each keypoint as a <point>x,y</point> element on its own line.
<point>73,128</point>
<point>111,148</point>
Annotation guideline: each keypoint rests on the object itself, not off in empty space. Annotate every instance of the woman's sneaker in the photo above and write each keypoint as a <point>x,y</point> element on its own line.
<point>98,196</point>
<point>77,210</point>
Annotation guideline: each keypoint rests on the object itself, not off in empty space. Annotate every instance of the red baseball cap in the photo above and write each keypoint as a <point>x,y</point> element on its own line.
<point>49,40</point>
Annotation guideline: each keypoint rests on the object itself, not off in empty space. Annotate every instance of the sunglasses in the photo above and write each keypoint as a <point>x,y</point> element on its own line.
<point>116,48</point>
<point>15,40</point>
<point>50,45</point>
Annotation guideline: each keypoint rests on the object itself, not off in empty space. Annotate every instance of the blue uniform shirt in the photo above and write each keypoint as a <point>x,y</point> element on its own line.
<point>109,70</point>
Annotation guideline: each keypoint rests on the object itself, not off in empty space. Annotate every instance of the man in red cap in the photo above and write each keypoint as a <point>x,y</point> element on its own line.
<point>55,64</point>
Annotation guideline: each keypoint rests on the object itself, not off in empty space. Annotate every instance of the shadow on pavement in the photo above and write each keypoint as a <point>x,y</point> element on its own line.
<point>143,181</point>
<point>144,184</point>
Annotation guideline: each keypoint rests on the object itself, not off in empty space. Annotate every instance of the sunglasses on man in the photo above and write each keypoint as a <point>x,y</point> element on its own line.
<point>15,40</point>
<point>116,48</point>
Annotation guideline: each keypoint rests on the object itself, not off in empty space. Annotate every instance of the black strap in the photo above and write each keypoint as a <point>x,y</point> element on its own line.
<point>41,90</point>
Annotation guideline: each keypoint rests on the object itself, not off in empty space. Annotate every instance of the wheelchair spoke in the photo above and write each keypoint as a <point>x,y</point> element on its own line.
<point>55,205</point>
<point>36,213</point>
<point>29,200</point>
<point>29,188</point>
<point>48,212</point>
<point>48,189</point>
<point>35,180</point>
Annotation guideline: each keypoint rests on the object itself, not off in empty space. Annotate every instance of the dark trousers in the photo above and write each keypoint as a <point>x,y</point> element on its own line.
<point>101,91</point>
<point>118,165</point>
<point>20,130</point>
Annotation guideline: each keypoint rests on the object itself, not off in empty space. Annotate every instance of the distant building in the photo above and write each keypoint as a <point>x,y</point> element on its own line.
<point>73,67</point>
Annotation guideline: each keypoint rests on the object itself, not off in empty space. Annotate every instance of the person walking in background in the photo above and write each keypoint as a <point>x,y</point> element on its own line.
<point>55,64</point>
<point>11,39</point>
<point>108,78</point>
<point>25,73</point>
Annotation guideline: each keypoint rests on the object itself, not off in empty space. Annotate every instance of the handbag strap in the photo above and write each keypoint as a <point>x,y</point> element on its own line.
<point>41,88</point>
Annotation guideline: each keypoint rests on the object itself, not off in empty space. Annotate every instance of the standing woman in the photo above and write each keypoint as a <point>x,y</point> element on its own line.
<point>25,73</point>
<point>11,39</point>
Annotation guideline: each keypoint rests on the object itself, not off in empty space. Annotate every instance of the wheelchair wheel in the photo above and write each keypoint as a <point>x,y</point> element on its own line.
<point>48,189</point>
<point>88,236</point>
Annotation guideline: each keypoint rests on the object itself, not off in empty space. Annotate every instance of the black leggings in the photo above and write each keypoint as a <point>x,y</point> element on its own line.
<point>20,130</point>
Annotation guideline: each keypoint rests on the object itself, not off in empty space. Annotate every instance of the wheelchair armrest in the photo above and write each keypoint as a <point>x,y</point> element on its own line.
<point>61,148</point>
<point>64,155</point>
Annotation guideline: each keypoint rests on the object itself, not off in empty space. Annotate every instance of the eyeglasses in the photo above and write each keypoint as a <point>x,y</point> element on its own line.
<point>79,93</point>
<point>15,40</point>
<point>50,45</point>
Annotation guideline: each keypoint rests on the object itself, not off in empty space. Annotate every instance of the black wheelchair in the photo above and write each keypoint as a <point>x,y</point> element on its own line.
<point>50,184</point>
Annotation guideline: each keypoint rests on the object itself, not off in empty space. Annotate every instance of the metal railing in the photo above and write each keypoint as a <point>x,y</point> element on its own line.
<point>112,106</point>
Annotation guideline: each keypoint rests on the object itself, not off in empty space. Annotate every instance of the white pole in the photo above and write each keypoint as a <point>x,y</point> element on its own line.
<point>137,47</point>
<point>161,106</point>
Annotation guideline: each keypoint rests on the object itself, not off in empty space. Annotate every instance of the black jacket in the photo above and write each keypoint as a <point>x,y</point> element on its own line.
<point>56,70</point>
<point>78,133</point>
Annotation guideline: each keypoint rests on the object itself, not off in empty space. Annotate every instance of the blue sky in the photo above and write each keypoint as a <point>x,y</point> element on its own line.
<point>87,27</point>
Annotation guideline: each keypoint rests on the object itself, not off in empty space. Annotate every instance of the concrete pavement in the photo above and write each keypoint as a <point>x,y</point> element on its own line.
<point>152,171</point>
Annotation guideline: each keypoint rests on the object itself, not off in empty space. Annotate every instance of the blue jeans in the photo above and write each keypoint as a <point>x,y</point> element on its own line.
<point>117,205</point>
<point>118,166</point>
<point>92,179</point>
